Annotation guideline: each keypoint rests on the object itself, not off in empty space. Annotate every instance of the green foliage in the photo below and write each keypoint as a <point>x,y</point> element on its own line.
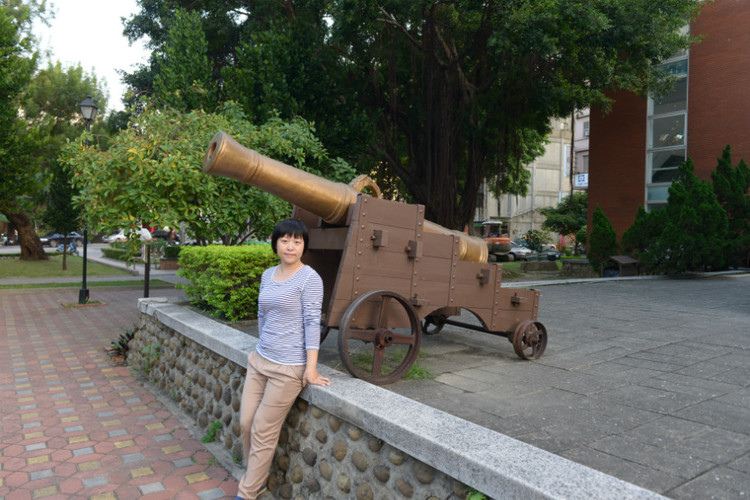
<point>641,239</point>
<point>602,241</point>
<point>121,345</point>
<point>732,188</point>
<point>60,214</point>
<point>472,494</point>
<point>151,354</point>
<point>581,237</point>
<point>185,81</point>
<point>224,281</point>
<point>568,217</point>
<point>118,252</point>
<point>692,232</point>
<point>152,172</point>
<point>442,95</point>
<point>535,238</point>
<point>212,432</point>
<point>172,251</point>
<point>696,233</point>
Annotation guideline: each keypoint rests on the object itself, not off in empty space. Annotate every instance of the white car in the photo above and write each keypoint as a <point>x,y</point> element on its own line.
<point>517,252</point>
<point>119,236</point>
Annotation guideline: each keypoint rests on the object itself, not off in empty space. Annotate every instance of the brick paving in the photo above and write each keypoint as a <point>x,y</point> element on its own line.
<point>77,426</point>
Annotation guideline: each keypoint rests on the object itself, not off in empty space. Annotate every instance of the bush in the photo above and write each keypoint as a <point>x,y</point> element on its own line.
<point>224,280</point>
<point>115,253</point>
<point>602,241</point>
<point>172,251</point>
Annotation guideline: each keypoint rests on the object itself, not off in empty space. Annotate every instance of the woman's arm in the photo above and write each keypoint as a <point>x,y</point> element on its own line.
<point>311,371</point>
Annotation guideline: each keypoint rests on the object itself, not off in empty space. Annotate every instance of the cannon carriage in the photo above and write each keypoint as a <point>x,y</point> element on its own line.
<point>388,274</point>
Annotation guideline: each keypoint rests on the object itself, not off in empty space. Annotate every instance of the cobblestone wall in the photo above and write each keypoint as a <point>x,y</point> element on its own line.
<point>319,455</point>
<point>351,439</point>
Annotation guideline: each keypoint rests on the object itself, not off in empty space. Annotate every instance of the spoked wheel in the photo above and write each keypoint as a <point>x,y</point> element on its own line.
<point>530,339</point>
<point>432,325</point>
<point>370,348</point>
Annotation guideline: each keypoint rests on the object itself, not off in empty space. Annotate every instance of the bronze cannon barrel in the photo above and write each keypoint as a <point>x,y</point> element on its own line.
<point>326,199</point>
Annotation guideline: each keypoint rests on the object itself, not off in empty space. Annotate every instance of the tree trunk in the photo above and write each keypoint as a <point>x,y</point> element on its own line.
<point>31,247</point>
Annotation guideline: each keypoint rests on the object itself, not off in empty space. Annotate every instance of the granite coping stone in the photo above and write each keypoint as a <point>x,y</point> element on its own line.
<point>490,462</point>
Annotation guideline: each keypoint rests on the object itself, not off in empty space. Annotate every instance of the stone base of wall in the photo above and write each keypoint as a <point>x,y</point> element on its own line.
<point>578,268</point>
<point>352,439</point>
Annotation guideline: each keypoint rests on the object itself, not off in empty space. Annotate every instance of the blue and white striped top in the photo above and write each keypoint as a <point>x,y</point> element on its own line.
<point>289,316</point>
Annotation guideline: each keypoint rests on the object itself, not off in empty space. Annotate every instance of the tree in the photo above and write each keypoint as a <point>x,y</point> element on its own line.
<point>641,239</point>
<point>602,240</point>
<point>185,79</point>
<point>60,214</point>
<point>568,217</point>
<point>37,115</point>
<point>152,174</point>
<point>456,93</point>
<point>732,188</point>
<point>696,232</point>
<point>458,87</point>
<point>20,175</point>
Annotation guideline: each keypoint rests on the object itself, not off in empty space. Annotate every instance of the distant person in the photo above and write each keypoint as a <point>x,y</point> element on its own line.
<point>286,356</point>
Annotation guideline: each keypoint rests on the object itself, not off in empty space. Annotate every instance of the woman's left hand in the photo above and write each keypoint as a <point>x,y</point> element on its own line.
<point>313,377</point>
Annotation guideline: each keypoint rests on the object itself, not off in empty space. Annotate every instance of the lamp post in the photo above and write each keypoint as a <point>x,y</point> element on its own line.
<point>88,110</point>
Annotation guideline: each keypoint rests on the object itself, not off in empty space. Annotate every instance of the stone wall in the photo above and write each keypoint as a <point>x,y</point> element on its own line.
<point>352,439</point>
<point>578,268</point>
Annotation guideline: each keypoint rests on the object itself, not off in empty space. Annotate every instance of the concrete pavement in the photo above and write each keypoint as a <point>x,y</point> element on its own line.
<point>647,380</point>
<point>644,379</point>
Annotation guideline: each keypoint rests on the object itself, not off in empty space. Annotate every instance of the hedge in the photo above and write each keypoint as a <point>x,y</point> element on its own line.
<point>224,280</point>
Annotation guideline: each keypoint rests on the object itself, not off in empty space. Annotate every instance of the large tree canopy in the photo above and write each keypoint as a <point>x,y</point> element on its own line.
<point>446,94</point>
<point>38,113</point>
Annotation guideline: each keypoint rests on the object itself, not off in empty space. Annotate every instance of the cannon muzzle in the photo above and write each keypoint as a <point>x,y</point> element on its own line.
<point>326,199</point>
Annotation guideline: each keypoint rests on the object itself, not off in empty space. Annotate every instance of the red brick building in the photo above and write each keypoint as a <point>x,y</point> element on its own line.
<point>636,148</point>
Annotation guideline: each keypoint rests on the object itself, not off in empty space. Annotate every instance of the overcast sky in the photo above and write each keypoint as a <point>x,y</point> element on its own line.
<point>89,32</point>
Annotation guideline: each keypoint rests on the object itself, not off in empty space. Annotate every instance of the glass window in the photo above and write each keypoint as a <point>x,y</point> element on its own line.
<point>668,131</point>
<point>674,101</point>
<point>664,164</point>
<point>657,193</point>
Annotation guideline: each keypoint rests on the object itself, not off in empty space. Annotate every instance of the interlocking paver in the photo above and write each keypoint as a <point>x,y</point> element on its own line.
<point>76,426</point>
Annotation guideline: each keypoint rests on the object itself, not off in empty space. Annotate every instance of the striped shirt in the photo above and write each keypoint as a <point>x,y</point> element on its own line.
<point>289,316</point>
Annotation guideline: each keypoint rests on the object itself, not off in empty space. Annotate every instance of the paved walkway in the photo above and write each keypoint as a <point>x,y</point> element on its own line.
<point>647,380</point>
<point>76,426</point>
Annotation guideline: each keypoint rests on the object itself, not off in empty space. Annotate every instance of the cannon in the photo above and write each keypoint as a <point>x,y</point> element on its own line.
<point>389,275</point>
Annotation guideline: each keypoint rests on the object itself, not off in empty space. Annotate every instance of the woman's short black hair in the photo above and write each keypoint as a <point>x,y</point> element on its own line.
<point>289,227</point>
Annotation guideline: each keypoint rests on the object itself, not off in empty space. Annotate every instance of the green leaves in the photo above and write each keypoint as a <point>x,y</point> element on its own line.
<point>152,173</point>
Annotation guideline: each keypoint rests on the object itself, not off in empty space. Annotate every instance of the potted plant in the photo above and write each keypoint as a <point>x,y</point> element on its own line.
<point>170,258</point>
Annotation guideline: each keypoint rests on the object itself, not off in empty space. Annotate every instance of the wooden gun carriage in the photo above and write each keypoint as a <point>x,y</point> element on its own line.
<point>388,274</point>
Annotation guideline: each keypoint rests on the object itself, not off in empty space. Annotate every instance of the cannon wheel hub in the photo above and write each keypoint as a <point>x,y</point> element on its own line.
<point>370,352</point>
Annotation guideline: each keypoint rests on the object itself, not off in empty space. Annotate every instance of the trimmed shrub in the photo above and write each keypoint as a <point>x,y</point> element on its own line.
<point>172,251</point>
<point>225,280</point>
<point>115,253</point>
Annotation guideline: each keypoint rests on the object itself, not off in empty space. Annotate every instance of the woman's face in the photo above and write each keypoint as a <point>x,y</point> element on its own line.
<point>290,249</point>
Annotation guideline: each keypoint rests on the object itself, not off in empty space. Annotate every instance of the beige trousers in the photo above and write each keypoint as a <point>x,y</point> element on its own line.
<point>269,392</point>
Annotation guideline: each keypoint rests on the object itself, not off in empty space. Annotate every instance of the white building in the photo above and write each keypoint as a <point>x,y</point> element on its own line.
<point>550,182</point>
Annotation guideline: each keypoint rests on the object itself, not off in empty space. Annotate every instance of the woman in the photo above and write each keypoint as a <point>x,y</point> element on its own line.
<point>286,357</point>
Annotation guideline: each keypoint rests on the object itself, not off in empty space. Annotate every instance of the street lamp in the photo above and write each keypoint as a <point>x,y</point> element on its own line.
<point>88,110</point>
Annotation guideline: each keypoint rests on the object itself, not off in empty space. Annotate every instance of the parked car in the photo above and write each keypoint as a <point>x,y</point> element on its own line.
<point>518,252</point>
<point>54,238</point>
<point>119,236</point>
<point>550,251</point>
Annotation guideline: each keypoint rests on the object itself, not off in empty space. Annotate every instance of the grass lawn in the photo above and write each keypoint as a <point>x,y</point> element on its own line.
<point>13,267</point>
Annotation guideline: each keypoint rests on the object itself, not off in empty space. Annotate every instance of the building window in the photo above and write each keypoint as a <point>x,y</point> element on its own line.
<point>667,139</point>
<point>586,128</point>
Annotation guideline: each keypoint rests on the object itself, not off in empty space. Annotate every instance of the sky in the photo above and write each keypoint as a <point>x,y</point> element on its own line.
<point>89,32</point>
